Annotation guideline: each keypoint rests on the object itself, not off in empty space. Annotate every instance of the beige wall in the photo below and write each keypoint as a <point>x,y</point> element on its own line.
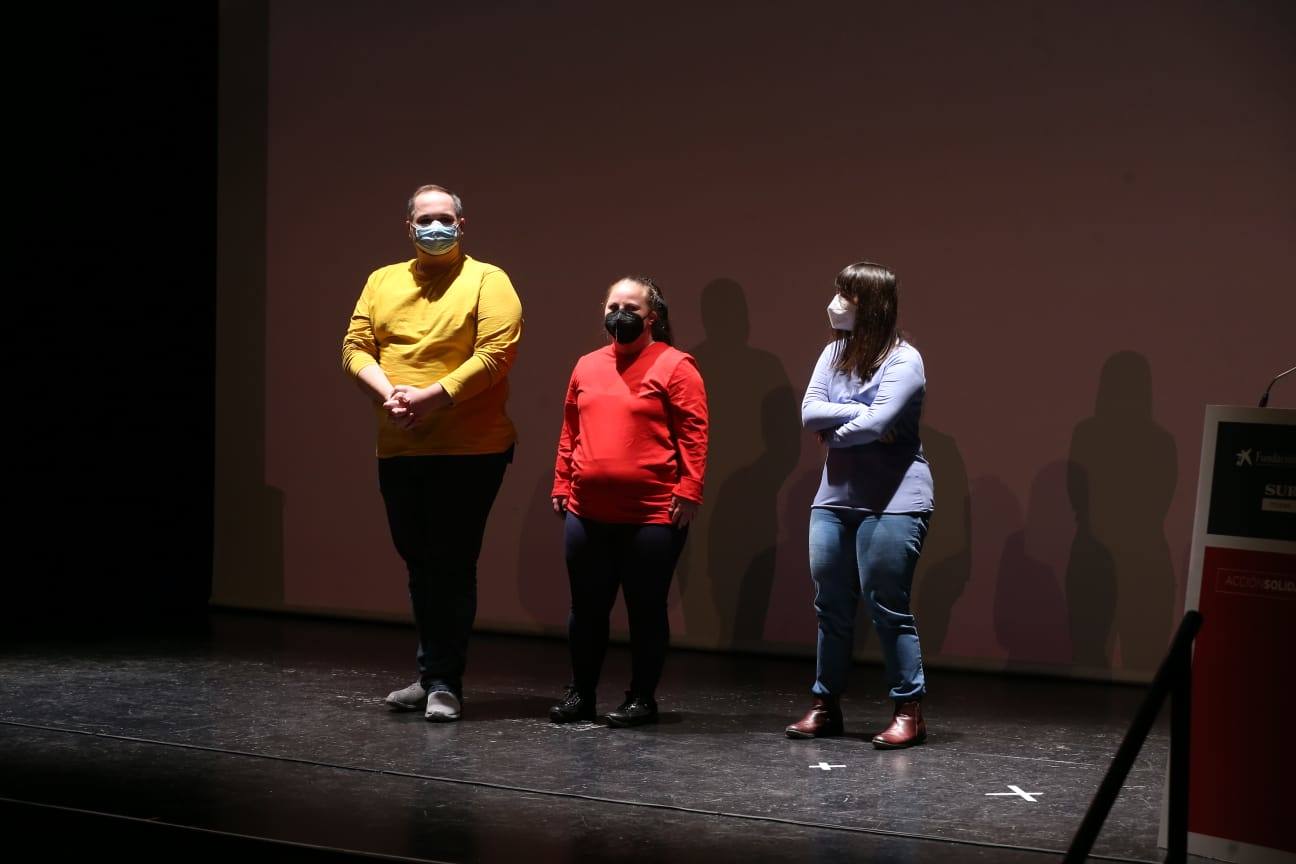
<point>1089,208</point>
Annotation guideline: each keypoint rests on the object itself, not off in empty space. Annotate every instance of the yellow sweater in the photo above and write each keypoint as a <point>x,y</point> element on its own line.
<point>459,328</point>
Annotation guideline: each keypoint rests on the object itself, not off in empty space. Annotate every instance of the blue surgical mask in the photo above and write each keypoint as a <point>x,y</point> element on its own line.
<point>436,239</point>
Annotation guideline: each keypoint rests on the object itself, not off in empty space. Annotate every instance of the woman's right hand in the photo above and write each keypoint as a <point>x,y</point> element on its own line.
<point>559,505</point>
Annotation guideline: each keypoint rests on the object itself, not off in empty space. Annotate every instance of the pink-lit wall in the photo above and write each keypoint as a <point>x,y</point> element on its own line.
<point>1090,208</point>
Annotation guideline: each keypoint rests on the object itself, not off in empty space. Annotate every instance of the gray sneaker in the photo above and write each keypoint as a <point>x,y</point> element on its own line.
<point>412,698</point>
<point>442,706</point>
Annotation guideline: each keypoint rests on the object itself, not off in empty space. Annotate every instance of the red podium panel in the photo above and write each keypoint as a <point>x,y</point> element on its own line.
<point>1242,578</point>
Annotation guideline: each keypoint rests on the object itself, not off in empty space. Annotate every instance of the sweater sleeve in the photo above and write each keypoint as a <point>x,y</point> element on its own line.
<point>902,378</point>
<point>818,412</point>
<point>566,442</point>
<point>689,427</point>
<point>360,346</point>
<point>499,328</point>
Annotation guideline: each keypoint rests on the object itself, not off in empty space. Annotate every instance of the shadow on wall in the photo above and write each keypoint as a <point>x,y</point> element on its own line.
<point>946,562</point>
<point>248,529</point>
<point>790,619</point>
<point>1030,615</point>
<point>744,530</point>
<point>1121,475</point>
<point>541,568</point>
<point>727,571</point>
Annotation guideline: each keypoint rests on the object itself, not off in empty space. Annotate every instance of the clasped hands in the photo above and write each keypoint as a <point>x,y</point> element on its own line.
<point>408,406</point>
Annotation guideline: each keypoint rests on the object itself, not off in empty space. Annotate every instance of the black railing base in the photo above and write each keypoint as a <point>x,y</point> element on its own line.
<point>1173,680</point>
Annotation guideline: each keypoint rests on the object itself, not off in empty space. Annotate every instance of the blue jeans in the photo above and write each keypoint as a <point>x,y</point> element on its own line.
<point>873,554</point>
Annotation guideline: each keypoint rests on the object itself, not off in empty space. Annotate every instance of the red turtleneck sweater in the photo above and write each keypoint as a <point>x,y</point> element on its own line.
<point>634,434</point>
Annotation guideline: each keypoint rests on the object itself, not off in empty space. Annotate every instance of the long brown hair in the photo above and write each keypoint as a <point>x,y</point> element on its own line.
<point>875,292</point>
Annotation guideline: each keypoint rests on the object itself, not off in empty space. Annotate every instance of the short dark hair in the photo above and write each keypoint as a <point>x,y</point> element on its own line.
<point>432,187</point>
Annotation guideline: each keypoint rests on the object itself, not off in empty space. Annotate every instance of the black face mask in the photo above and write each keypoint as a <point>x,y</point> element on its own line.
<point>625,325</point>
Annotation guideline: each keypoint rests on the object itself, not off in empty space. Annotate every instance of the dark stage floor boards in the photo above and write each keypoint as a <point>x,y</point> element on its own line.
<point>262,734</point>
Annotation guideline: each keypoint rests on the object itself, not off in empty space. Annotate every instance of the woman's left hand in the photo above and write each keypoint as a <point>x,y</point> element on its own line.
<point>682,511</point>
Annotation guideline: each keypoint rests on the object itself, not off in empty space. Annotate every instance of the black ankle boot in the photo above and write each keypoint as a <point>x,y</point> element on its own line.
<point>574,707</point>
<point>634,711</point>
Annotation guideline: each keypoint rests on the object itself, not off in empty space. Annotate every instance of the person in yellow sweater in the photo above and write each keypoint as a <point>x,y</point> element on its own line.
<point>430,342</point>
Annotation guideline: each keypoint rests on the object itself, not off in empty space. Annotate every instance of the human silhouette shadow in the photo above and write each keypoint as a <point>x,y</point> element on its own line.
<point>744,529</point>
<point>791,617</point>
<point>1090,582</point>
<point>997,515</point>
<point>1030,611</point>
<point>1121,475</point>
<point>945,565</point>
<point>541,568</point>
<point>727,569</point>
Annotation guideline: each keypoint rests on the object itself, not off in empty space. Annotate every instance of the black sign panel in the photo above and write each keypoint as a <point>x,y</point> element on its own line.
<point>1254,492</point>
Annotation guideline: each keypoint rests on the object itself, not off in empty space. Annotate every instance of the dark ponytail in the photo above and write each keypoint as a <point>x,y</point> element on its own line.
<point>661,328</point>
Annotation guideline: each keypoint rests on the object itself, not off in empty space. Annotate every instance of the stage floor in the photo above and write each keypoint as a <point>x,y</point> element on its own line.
<point>274,728</point>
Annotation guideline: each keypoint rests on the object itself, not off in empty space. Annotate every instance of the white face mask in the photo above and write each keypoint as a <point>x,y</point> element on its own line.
<point>841,314</point>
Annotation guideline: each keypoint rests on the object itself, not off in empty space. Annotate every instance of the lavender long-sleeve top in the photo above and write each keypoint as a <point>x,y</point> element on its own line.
<point>861,472</point>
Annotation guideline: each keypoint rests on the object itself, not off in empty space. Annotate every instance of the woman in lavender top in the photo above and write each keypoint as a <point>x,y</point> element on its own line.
<point>870,516</point>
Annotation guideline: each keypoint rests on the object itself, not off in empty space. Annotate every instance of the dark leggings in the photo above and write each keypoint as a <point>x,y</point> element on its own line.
<point>640,560</point>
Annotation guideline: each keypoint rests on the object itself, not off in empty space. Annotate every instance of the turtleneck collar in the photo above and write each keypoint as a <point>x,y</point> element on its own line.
<point>428,268</point>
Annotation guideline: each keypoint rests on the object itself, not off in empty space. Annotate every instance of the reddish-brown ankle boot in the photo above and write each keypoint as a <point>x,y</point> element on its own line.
<point>907,728</point>
<point>823,720</point>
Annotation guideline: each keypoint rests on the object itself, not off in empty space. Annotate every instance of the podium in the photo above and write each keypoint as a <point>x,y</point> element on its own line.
<point>1242,578</point>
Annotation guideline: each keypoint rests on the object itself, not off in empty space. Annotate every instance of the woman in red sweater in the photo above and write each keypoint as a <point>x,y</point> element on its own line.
<point>627,482</point>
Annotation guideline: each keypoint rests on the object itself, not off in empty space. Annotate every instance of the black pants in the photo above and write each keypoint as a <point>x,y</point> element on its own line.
<point>436,509</point>
<point>638,559</point>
